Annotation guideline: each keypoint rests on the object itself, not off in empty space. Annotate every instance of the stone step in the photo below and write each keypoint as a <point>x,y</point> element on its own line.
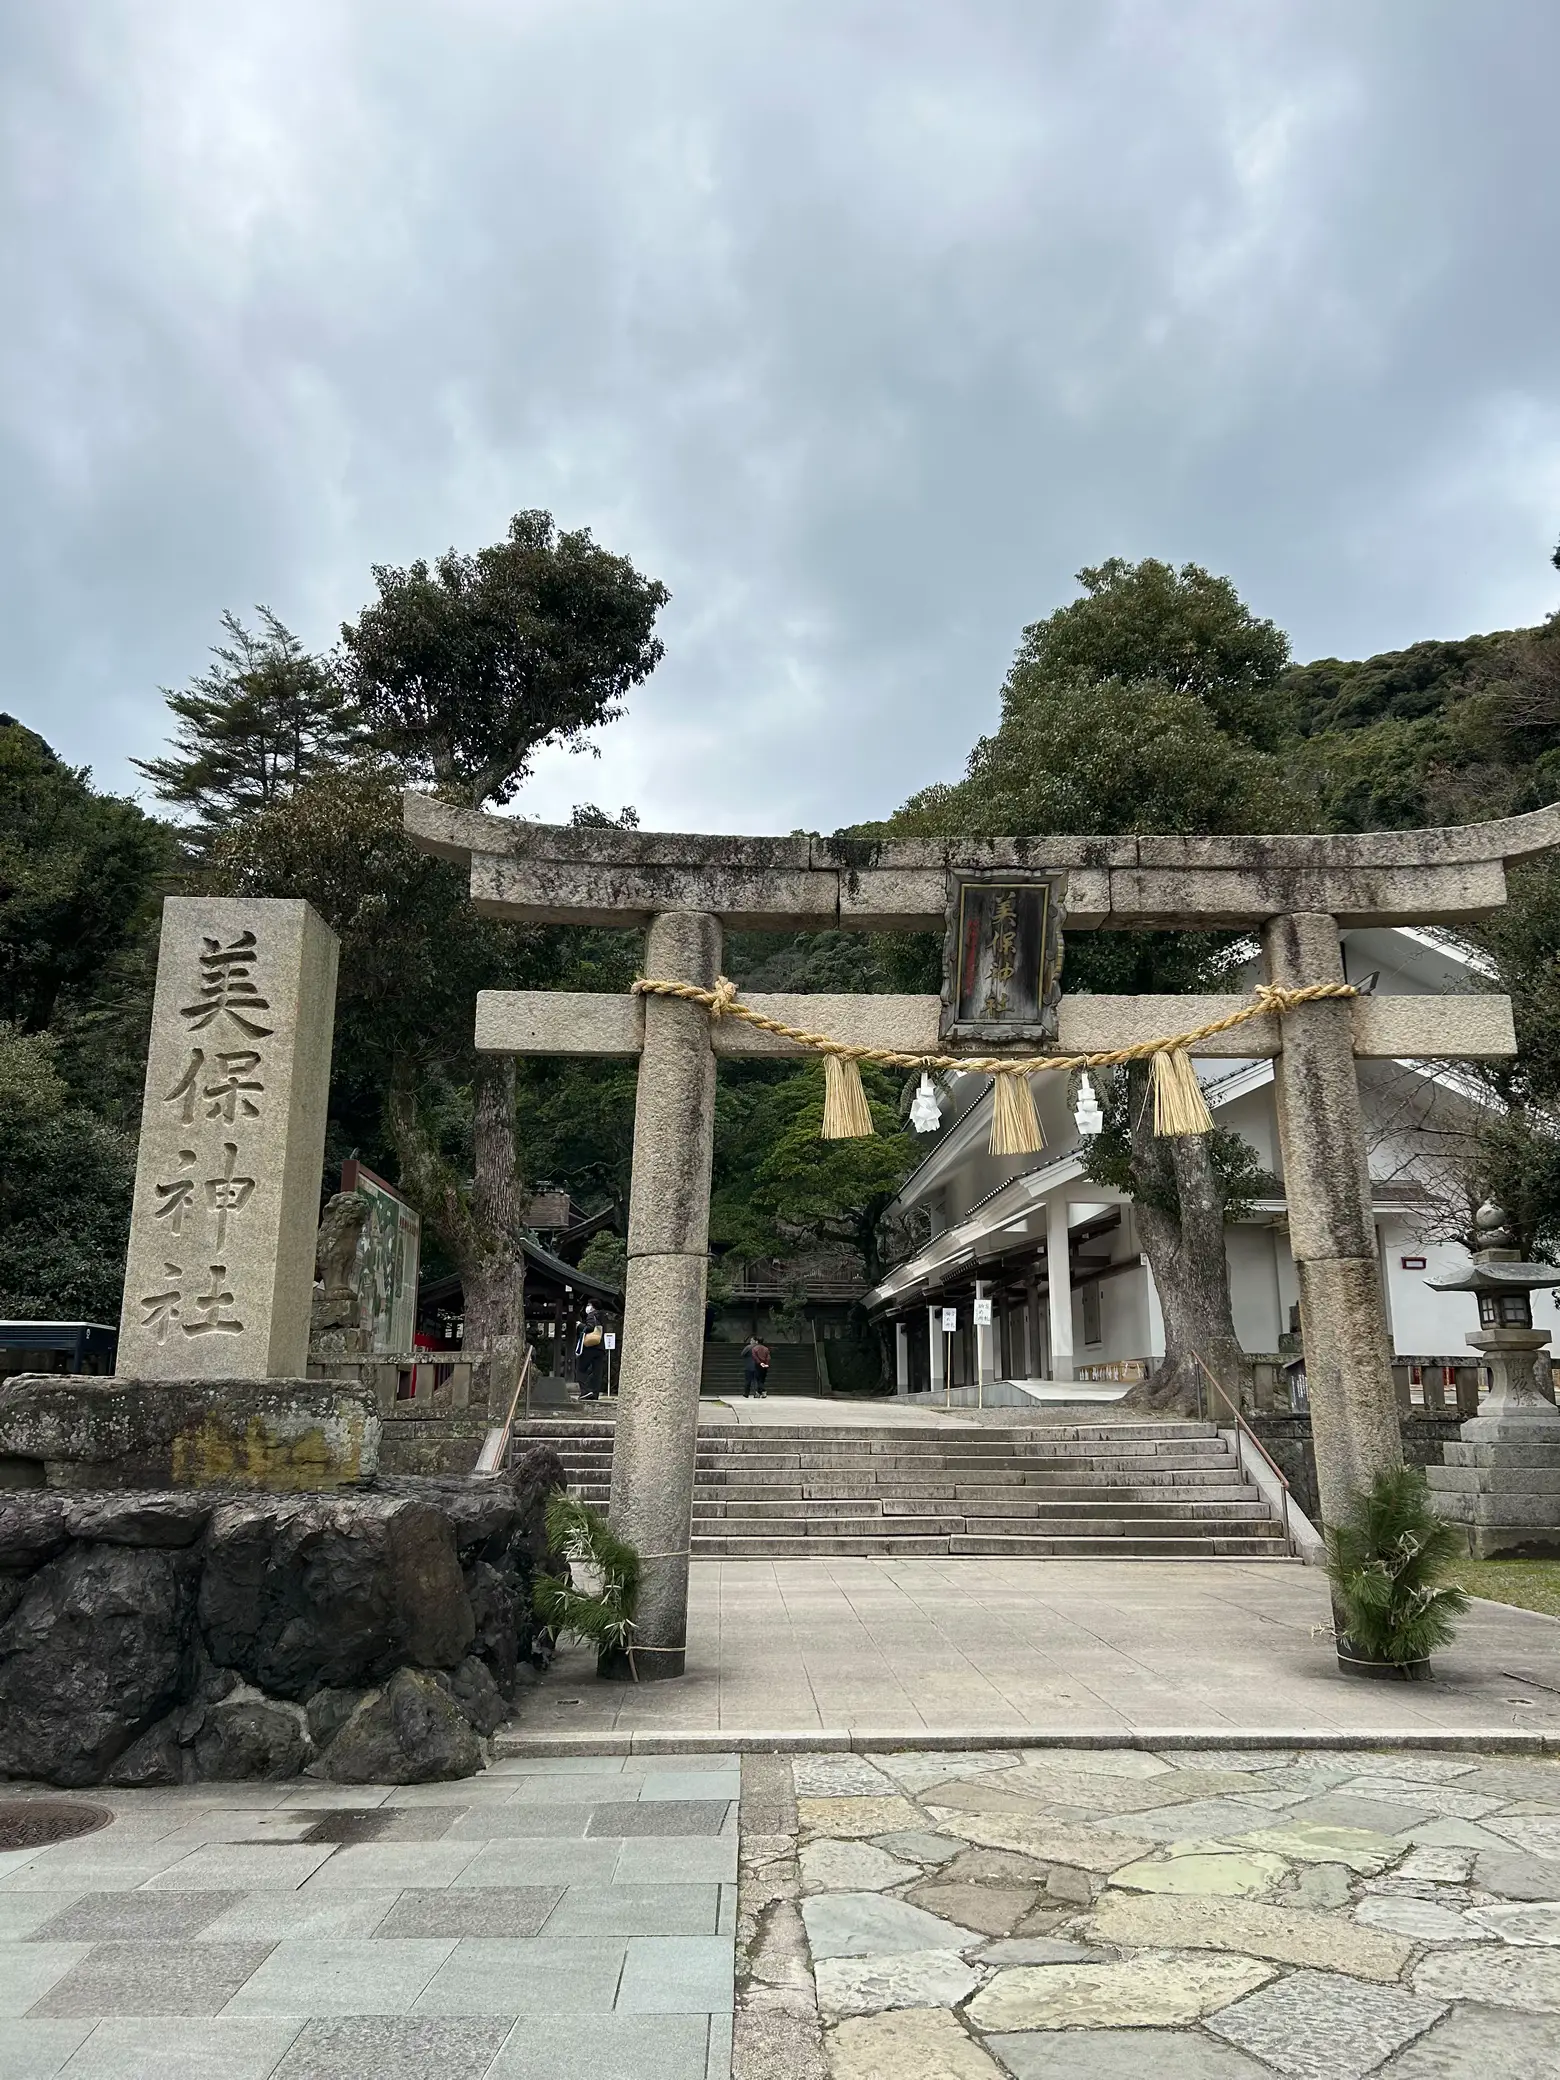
<point>972,1546</point>
<point>885,1507</point>
<point>1078,1491</point>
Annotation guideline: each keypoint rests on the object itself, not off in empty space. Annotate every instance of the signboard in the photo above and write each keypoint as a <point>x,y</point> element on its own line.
<point>609,1339</point>
<point>1003,956</point>
<point>950,1319</point>
<point>983,1314</point>
<point>387,1262</point>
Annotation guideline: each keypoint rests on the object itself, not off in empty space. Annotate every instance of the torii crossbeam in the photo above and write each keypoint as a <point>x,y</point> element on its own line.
<point>1294,891</point>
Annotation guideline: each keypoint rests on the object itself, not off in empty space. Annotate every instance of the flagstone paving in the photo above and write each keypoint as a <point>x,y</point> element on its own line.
<point>546,1920</point>
<point>1109,1914</point>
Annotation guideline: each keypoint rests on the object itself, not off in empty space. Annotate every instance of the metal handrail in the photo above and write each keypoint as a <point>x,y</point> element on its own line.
<point>1246,1431</point>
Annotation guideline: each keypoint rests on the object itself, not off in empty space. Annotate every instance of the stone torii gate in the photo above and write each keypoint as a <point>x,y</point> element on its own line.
<point>1295,892</point>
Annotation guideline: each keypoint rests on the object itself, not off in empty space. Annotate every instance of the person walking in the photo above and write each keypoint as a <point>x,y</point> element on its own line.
<point>590,1355</point>
<point>755,1368</point>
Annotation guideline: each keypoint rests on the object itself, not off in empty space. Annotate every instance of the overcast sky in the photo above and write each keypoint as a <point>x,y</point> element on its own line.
<point>860,323</point>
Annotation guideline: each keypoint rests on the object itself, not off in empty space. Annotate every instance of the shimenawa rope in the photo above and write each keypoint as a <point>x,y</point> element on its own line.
<point>1179,1105</point>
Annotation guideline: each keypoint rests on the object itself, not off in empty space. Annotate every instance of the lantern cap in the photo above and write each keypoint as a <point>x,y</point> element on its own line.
<point>1498,1271</point>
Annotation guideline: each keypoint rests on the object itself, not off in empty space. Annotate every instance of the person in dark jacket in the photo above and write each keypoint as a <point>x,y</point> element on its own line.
<point>755,1369</point>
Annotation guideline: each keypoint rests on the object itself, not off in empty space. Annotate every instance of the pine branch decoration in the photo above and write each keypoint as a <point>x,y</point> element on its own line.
<point>603,1618</point>
<point>1388,1560</point>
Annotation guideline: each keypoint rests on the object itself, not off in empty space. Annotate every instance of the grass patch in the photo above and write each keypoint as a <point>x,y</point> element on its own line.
<point>1533,1585</point>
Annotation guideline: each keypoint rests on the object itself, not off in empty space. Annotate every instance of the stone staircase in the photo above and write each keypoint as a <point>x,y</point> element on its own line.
<point>1078,1491</point>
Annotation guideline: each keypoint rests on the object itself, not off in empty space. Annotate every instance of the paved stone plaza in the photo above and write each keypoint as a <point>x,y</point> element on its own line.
<point>1110,1914</point>
<point>540,1922</point>
<point>835,1647</point>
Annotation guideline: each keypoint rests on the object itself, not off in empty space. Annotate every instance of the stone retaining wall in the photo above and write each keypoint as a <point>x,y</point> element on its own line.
<point>163,1636</point>
<point>1288,1438</point>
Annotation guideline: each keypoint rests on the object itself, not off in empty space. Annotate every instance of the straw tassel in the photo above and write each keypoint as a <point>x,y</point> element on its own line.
<point>1015,1125</point>
<point>846,1114</point>
<point>1179,1104</point>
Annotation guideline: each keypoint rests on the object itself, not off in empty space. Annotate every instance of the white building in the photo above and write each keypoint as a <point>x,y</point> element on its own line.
<point>1059,1257</point>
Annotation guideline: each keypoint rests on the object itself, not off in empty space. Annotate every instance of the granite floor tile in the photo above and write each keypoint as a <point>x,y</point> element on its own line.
<point>667,1975</point>
<point>519,1822</point>
<point>670,1816</point>
<point>576,1790</point>
<point>475,1910</point>
<point>233,1867</point>
<point>558,1765</point>
<point>340,1977</point>
<point>354,1824</point>
<point>494,1976</point>
<point>544,1861</point>
<point>37,2050</point>
<point>23,1913</point>
<point>394,2047</point>
<point>29,1970</point>
<point>105,1869</point>
<point>690,1861</point>
<point>608,2047</point>
<point>178,2047</point>
<point>140,1979</point>
<point>718,2060</point>
<point>126,1917</point>
<point>657,1785</point>
<point>276,1917</point>
<point>393,1866</point>
<point>636,1910</point>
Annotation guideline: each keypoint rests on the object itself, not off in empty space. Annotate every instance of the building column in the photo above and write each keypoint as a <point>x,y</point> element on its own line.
<point>934,1348</point>
<point>1058,1272</point>
<point>985,1339</point>
<point>1332,1232</point>
<point>1034,1344</point>
<point>902,1357</point>
<point>656,1435</point>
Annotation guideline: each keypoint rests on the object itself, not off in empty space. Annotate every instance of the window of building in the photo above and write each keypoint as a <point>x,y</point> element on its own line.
<point>1091,1312</point>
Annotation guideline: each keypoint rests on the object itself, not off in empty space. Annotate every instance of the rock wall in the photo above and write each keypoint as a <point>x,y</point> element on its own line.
<point>1288,1438</point>
<point>380,1636</point>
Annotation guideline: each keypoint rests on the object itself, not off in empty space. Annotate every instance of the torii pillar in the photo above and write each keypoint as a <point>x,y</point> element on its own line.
<point>684,889</point>
<point>655,1444</point>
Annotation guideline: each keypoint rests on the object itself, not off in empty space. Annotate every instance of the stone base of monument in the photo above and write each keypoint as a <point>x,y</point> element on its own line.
<point>1502,1482</point>
<point>167,1635</point>
<point>278,1435</point>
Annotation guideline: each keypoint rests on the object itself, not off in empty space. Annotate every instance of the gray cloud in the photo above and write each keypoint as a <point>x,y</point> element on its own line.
<point>862,325</point>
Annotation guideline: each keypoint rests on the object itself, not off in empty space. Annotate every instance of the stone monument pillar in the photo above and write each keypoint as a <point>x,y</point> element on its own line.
<point>211,1387</point>
<point>656,1436</point>
<point>1332,1231</point>
<point>1502,1479</point>
<point>220,1272</point>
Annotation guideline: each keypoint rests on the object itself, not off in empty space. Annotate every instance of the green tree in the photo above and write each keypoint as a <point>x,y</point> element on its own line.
<point>252,727</point>
<point>465,670</point>
<point>1185,628</point>
<point>77,879</point>
<point>1082,748</point>
<point>65,1184</point>
<point>461,673</point>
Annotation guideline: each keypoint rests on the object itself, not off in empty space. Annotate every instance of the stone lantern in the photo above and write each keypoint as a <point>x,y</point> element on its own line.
<point>1502,1480</point>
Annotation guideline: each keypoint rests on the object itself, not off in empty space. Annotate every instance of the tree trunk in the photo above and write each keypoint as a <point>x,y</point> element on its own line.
<point>1185,1251</point>
<point>494,1281</point>
<point>481,1228</point>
